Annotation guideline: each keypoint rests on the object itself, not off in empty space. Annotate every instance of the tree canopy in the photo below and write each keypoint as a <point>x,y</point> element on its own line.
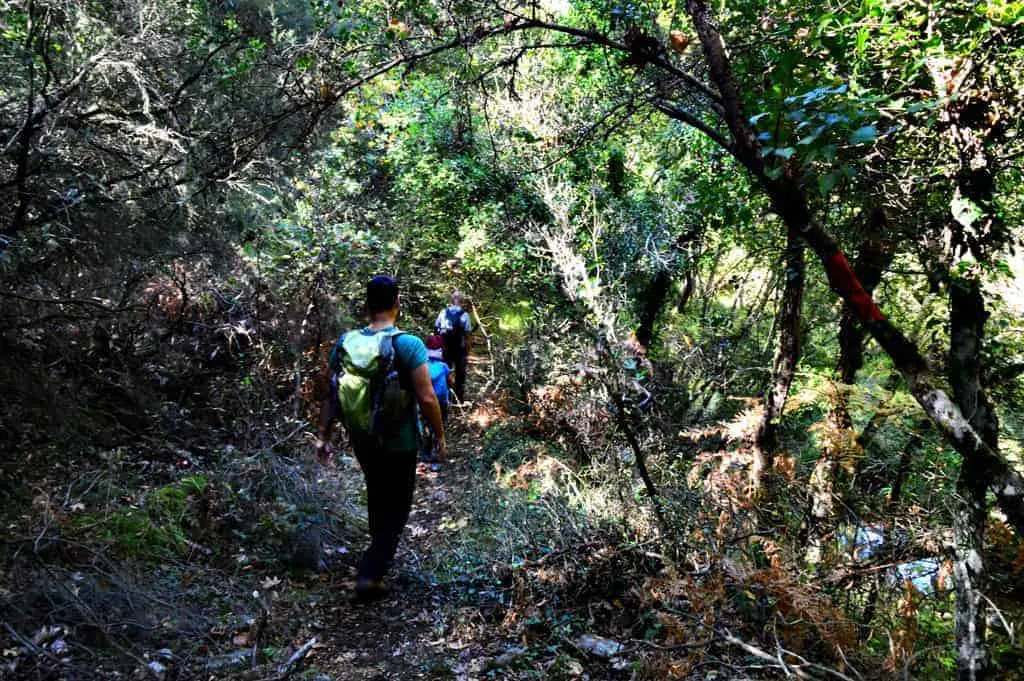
<point>750,369</point>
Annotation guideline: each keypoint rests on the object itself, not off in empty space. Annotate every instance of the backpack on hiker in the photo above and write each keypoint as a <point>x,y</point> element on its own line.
<point>372,395</point>
<point>452,331</point>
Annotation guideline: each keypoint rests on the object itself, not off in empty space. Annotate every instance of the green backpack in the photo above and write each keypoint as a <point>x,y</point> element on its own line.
<point>372,398</point>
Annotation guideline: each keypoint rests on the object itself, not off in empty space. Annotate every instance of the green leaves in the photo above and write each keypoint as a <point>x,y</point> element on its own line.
<point>965,211</point>
<point>864,135</point>
<point>783,152</point>
<point>822,120</point>
<point>827,182</point>
<point>817,95</point>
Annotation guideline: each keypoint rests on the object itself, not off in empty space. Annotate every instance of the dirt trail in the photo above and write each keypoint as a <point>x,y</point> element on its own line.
<point>408,634</point>
<point>232,606</point>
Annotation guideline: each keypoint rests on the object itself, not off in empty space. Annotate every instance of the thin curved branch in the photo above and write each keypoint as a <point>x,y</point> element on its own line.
<point>693,121</point>
<point>600,39</point>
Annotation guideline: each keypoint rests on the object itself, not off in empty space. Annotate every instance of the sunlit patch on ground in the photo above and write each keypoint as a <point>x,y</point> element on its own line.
<point>486,413</point>
<point>722,474</point>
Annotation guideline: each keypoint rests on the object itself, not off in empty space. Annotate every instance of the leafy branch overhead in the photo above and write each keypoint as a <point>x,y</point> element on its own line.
<point>747,365</point>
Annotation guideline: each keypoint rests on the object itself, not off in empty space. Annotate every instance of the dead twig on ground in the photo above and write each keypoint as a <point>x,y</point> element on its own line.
<point>298,429</point>
<point>32,647</point>
<point>798,669</point>
<point>286,669</point>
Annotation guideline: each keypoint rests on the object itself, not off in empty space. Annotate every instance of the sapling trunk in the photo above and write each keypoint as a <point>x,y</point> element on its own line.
<point>786,359</point>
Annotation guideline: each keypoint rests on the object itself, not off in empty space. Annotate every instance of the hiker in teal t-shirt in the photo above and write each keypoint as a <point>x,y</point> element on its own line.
<point>386,453</point>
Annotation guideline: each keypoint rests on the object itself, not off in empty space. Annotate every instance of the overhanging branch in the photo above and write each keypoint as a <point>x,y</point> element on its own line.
<point>693,121</point>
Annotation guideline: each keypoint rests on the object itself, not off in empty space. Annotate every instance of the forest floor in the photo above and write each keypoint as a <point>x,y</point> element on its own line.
<point>96,585</point>
<point>430,624</point>
<point>169,555</point>
<point>452,611</point>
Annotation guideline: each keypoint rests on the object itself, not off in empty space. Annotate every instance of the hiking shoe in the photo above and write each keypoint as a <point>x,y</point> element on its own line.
<point>369,589</point>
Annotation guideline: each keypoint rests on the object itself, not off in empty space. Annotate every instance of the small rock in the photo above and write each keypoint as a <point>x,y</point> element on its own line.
<point>307,550</point>
<point>509,656</point>
<point>564,668</point>
<point>620,664</point>
<point>158,670</point>
<point>598,645</point>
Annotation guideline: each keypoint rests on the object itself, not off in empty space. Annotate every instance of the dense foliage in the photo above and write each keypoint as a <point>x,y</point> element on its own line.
<point>751,368</point>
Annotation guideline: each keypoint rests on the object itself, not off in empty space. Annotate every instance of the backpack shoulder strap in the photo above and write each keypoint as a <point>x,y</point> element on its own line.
<point>394,346</point>
<point>334,360</point>
<point>388,347</point>
<point>404,374</point>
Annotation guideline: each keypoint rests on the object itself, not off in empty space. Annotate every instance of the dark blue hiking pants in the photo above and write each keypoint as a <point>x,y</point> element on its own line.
<point>390,479</point>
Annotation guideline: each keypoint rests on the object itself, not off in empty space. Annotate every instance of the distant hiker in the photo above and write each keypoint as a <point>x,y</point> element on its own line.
<point>442,379</point>
<point>454,325</point>
<point>639,369</point>
<point>376,372</point>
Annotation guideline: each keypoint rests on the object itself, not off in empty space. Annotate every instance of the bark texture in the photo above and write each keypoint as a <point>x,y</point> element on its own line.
<point>654,301</point>
<point>975,240</point>
<point>967,320</point>
<point>786,358</point>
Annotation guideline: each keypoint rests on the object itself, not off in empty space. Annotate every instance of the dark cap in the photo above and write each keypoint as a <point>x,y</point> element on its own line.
<point>381,294</point>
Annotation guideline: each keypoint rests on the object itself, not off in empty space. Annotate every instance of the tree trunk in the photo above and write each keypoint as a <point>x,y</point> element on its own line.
<point>654,301</point>
<point>910,450</point>
<point>622,419</point>
<point>786,358</point>
<point>790,203</point>
<point>684,297</point>
<point>967,320</point>
<point>656,295</point>
<point>874,424</point>
<point>876,254</point>
<point>977,239</point>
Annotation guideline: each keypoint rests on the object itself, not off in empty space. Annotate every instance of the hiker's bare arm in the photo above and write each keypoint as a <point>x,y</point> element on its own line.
<point>450,378</point>
<point>323,445</point>
<point>326,420</point>
<point>428,404</point>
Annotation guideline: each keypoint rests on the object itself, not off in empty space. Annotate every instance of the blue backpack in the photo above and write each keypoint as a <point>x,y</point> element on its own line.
<point>453,332</point>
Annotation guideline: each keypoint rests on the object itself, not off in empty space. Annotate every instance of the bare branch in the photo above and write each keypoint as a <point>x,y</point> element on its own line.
<point>693,121</point>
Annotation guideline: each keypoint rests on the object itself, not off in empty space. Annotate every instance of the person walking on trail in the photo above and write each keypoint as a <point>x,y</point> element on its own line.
<point>378,375</point>
<point>442,378</point>
<point>454,325</point>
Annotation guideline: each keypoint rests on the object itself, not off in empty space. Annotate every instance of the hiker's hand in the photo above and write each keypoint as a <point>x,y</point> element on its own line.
<point>442,449</point>
<point>324,452</point>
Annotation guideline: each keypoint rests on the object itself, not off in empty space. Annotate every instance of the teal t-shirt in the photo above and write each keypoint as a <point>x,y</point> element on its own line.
<point>412,353</point>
